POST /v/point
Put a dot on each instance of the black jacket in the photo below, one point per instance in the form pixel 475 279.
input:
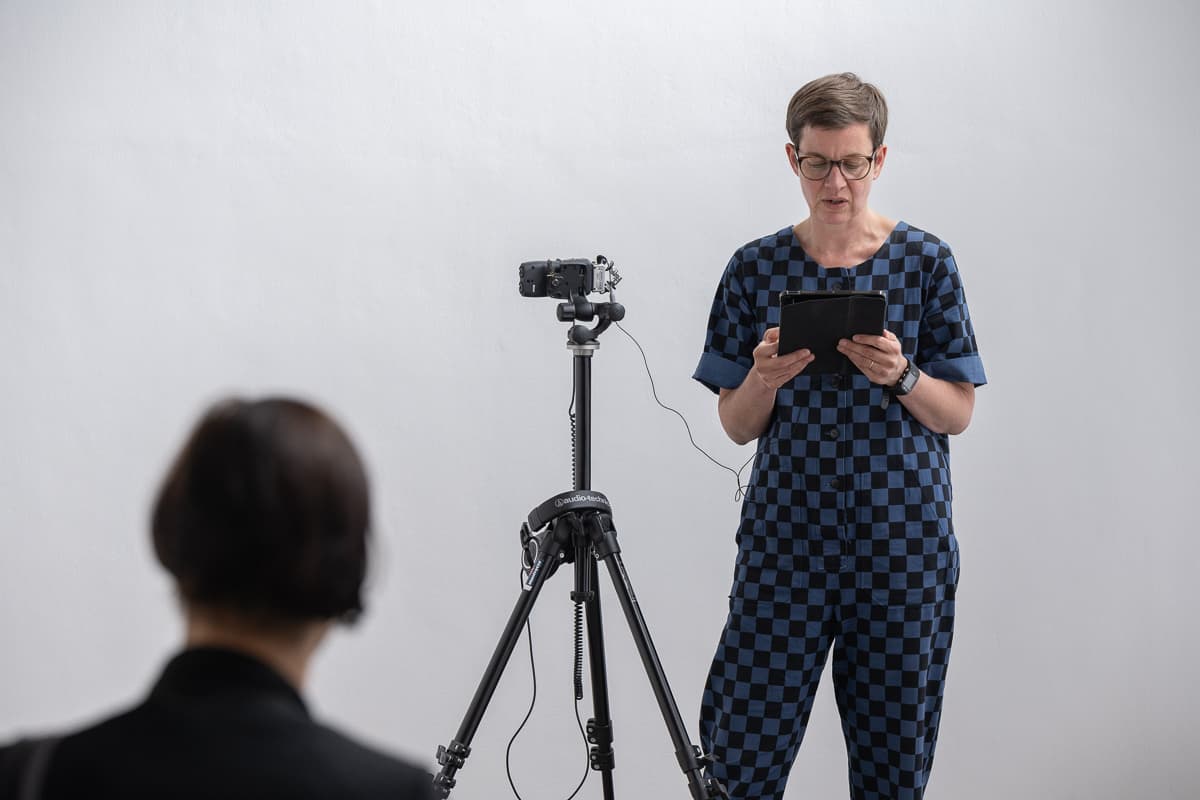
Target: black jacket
pixel 217 724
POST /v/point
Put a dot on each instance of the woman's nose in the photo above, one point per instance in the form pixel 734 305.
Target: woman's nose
pixel 835 177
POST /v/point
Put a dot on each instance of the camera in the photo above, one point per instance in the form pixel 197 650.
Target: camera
pixel 566 279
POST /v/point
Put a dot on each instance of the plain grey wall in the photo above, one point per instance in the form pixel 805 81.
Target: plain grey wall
pixel 331 199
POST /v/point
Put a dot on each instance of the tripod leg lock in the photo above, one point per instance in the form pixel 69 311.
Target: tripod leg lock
pixel 453 756
pixel 601 737
pixel 600 530
pixel 700 762
pixel 713 789
pixel 452 759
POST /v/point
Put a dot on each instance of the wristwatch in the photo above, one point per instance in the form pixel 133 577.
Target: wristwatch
pixel 908 379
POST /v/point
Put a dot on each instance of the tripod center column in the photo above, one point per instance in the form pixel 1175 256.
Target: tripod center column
pixel 581 433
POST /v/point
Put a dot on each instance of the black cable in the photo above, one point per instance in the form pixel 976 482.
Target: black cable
pixel 533 700
pixel 587 766
pixel 578 663
pixel 574 455
pixel 528 714
pixel 578 649
pixel 579 695
pixel 737 474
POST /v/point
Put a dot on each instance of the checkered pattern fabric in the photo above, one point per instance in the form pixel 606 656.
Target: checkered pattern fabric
pixel 846 541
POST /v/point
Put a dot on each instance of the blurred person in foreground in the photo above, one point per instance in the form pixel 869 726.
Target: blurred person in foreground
pixel 263 522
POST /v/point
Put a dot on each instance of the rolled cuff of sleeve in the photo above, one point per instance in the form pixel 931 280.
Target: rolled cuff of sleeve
pixel 718 373
pixel 964 369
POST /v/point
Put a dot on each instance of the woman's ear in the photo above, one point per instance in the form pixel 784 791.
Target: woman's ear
pixel 880 155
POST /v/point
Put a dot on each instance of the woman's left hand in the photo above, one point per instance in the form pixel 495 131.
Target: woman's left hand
pixel 879 357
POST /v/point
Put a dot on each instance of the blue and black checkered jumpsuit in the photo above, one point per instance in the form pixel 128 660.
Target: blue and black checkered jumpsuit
pixel 846 541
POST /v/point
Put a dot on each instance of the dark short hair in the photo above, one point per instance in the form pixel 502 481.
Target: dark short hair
pixel 835 102
pixel 266 513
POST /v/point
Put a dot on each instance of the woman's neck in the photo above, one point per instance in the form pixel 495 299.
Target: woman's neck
pixel 285 647
pixel 843 245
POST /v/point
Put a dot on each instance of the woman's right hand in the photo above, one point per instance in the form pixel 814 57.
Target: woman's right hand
pixel 773 369
pixel 745 411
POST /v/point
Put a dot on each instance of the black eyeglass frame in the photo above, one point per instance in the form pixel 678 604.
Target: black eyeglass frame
pixel 831 163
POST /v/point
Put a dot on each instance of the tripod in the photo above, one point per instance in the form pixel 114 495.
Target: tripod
pixel 577 527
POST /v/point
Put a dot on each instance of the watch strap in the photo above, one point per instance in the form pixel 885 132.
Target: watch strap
pixel 908 379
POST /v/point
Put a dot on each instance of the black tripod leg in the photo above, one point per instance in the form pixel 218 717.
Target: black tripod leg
pixel 600 729
pixel 453 756
pixel 690 761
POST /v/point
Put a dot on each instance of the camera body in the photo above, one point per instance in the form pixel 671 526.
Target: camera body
pixel 566 278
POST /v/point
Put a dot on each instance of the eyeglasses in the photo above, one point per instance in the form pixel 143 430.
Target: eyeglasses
pixel 853 168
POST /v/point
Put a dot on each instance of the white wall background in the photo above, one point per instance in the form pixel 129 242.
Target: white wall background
pixel 331 199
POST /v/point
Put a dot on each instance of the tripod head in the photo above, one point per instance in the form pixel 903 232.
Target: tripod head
pixel 572 280
pixel 581 309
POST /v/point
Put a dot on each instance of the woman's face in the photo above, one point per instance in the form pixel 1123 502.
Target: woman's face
pixel 835 199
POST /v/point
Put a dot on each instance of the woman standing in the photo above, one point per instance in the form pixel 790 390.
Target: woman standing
pixel 846 541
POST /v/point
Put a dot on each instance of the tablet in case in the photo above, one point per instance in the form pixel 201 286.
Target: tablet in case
pixel 818 320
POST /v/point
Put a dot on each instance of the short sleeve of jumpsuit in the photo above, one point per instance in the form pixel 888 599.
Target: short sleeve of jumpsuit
pixel 846 542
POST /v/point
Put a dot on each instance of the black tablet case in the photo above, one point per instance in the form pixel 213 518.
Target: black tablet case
pixel 818 320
